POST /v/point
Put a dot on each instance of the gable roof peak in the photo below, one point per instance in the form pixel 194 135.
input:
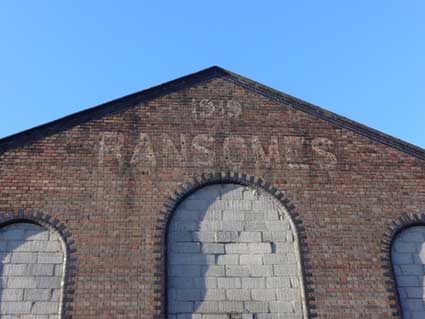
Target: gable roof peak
pixel 214 71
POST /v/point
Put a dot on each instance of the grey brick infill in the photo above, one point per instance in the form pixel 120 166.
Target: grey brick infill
pixel 229 252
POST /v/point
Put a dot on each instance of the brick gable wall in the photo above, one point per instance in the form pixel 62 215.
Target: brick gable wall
pixel 108 179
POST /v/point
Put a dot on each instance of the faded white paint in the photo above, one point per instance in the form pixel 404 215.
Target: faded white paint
pixel 203 150
pixel 170 150
pixel 110 145
pixel 143 153
pixel 206 108
pixel 263 158
pixel 235 151
pixel 324 147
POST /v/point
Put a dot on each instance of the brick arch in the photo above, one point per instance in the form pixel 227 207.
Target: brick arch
pixel 201 181
pixel 68 245
pixel 395 228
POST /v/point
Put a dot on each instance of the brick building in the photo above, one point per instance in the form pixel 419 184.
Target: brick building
pixel 210 197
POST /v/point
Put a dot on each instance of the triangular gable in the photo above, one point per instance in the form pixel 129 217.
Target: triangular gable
pixel 129 101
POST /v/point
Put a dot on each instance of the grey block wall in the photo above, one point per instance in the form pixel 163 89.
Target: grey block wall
pixel 232 254
pixel 31 268
pixel 408 258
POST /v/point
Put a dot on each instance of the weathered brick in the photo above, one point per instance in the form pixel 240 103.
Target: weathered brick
pixel 104 176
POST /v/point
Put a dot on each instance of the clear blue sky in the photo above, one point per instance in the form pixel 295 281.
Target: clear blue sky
pixel 361 59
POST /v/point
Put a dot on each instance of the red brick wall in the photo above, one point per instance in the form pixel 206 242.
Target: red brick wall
pixel 107 180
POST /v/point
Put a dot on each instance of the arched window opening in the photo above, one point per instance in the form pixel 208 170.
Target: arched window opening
pixel 408 261
pixel 232 252
pixel 32 271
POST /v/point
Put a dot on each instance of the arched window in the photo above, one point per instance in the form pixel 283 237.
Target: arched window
pixel 232 252
pixel 408 261
pixel 32 271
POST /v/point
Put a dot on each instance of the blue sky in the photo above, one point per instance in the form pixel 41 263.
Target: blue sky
pixel 361 59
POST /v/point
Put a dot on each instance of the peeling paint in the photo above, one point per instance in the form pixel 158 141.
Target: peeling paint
pixel 263 159
pixel 235 151
pixel 324 148
pixel 143 153
pixel 203 150
pixel 110 147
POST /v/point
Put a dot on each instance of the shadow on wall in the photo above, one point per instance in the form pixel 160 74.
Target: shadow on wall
pixel 232 254
pixel 31 272
pixel 408 259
